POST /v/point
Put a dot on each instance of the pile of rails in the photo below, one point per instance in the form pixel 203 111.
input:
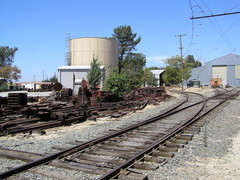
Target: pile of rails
pixel 39 117
pixel 153 94
pixel 17 99
pixel 18 116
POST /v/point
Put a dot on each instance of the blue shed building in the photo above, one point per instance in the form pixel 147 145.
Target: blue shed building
pixel 226 67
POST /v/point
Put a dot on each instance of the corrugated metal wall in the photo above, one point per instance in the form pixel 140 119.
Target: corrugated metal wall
pixel 66 76
pixel 229 73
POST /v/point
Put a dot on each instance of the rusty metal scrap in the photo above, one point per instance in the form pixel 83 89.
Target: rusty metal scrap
pixel 18 116
pixel 153 94
pixel 16 99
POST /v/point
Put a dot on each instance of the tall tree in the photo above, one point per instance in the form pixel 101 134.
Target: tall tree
pixel 10 73
pixel 172 75
pixel 54 78
pixel 134 62
pixel 190 62
pixel 126 43
pixel 94 74
pixel 7 71
pixel 133 65
pixel 148 78
pixel 173 72
pixel 7 55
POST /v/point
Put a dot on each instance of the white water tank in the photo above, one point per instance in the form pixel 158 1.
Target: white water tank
pixel 83 50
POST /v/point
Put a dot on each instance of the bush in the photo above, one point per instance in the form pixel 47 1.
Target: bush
pixel 117 83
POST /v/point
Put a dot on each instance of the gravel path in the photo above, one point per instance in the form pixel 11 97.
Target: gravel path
pixel 210 154
pixel 191 162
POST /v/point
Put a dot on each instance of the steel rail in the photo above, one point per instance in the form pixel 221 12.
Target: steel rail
pixel 115 172
pixel 85 145
pixel 69 151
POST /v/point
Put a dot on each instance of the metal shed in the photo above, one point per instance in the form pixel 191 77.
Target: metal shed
pixel 158 74
pixel 226 67
pixel 69 75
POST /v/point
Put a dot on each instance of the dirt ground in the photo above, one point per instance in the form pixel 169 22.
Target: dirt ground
pixel 228 167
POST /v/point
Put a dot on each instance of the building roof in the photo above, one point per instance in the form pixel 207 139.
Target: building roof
pixel 77 67
pixel 158 71
pixel 34 82
pixel 111 38
pixel 229 59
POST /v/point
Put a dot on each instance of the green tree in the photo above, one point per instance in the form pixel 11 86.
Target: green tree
pixel 133 66
pixel 7 71
pixel 172 75
pixel 148 78
pixel 156 68
pixel 134 62
pixel 117 83
pixel 7 55
pixel 3 86
pixel 174 61
pixel 10 73
pixel 190 62
pixel 173 72
pixel 126 43
pixel 53 79
pixel 94 74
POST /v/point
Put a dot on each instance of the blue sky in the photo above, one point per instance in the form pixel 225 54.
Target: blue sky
pixel 39 29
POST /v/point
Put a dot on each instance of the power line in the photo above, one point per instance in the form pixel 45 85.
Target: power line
pixel 217 26
pixel 191 42
pixel 214 15
pixel 234 7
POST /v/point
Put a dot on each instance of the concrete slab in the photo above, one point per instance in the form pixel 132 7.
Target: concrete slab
pixel 30 94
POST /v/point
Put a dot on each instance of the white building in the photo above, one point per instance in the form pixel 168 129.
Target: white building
pixel 70 76
pixel 33 84
pixel 82 52
pixel 158 74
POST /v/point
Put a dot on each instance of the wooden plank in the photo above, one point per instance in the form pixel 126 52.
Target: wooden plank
pixel 110 153
pixel 99 159
pixel 117 148
pixel 20 155
pixel 28 157
pixel 145 166
pixel 132 176
pixel 90 162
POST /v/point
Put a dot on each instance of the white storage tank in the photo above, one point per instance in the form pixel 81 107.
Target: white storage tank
pixel 83 50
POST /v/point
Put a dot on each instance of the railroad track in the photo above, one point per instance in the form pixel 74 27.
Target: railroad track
pixel 120 153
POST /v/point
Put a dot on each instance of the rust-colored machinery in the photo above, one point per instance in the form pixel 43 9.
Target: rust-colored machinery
pixel 216 82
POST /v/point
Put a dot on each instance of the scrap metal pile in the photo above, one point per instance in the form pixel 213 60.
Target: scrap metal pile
pixel 17 115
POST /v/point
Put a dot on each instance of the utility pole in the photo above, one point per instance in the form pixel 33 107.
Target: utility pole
pixel 181 48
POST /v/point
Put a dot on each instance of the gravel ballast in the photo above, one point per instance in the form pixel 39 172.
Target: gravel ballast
pixel 213 142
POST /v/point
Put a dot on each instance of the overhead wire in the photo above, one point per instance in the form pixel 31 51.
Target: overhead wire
pixel 216 26
pixel 222 33
pixel 233 7
pixel 192 34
